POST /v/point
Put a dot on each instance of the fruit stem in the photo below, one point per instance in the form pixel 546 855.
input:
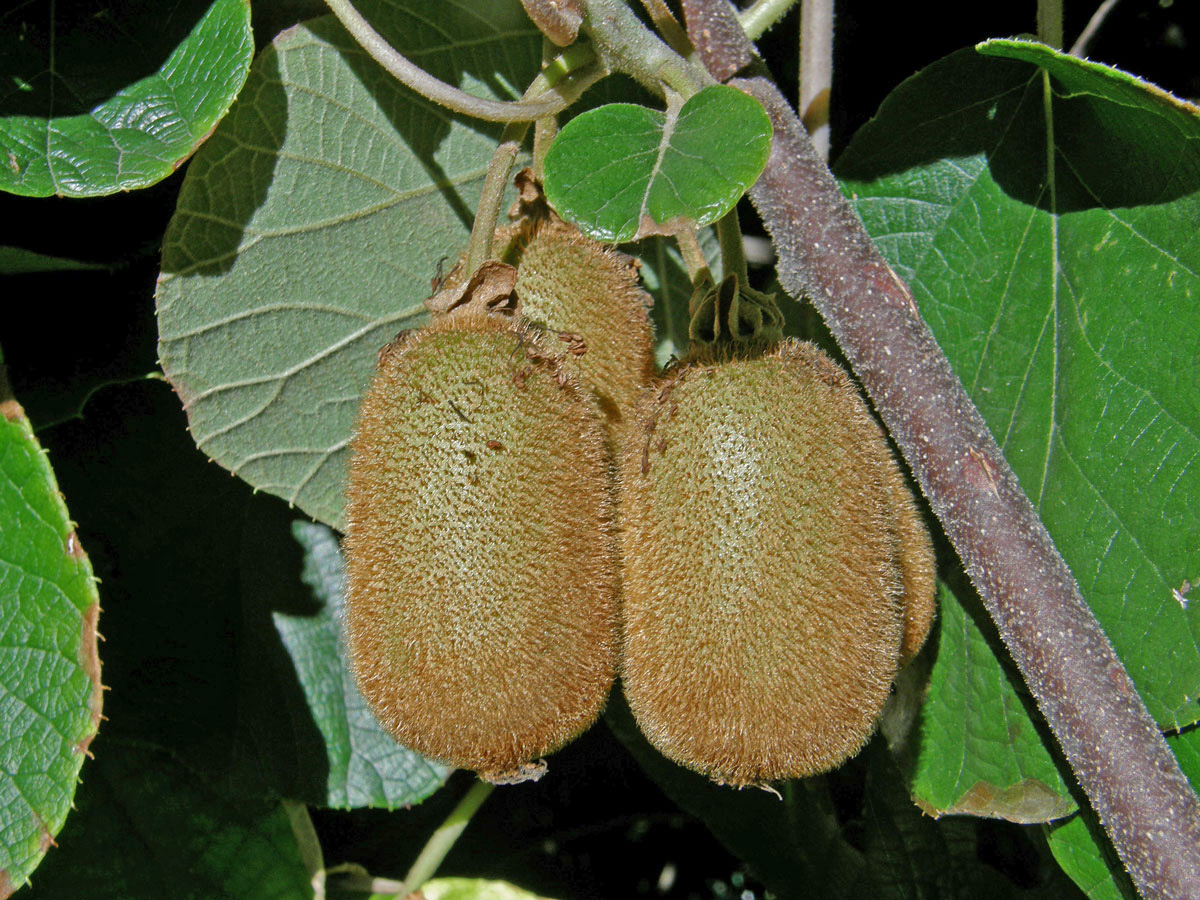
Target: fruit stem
pixel 733 253
pixel 443 838
pixel 691 251
pixel 760 17
pixel 487 214
pixel 578 62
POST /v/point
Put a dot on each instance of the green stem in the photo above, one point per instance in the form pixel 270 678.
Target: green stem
pixel 578 63
pixel 416 78
pixel 816 70
pixel 733 254
pixel 1050 23
pixel 443 839
pixel 308 843
pixel 669 28
pixel 759 18
pixel 488 212
pixel 626 45
pixel 691 251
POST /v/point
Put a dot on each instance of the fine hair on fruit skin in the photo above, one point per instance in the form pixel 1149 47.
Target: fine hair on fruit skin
pixel 764 556
pixel 578 287
pixel 589 294
pixel 481 613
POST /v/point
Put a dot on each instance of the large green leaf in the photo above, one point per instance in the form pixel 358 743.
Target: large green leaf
pixel 623 171
pixel 366 765
pixel 309 227
pixel 995 761
pixel 1060 296
pixel 49 669
pixel 150 827
pixel 111 100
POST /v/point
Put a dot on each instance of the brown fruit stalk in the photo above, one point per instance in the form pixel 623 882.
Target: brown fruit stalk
pixel 481 613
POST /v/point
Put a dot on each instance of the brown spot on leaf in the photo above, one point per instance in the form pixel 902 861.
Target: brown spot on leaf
pixel 74 548
pixel 89 661
pixel 1027 802
pixel 647 227
pixel 12 410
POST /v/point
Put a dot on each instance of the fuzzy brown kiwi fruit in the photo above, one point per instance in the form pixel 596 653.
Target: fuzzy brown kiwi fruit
pixel 763 606
pixel 590 295
pixel 481 614
pixel 915 563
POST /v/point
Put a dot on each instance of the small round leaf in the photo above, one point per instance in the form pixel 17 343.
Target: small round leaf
pixel 622 172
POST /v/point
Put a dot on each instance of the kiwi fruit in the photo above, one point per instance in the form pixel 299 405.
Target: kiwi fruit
pixel 914 561
pixel 481 614
pixel 769 549
pixel 588 295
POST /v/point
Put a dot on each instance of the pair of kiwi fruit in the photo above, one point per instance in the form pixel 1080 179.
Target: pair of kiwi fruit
pixel 531 510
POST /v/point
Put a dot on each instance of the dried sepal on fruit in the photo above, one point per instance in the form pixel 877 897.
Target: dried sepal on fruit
pixel 481 611
pixel 767 555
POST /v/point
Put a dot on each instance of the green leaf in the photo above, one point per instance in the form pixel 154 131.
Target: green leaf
pixel 1061 303
pixel 115 100
pixel 308 229
pixel 995 760
pixel 1083 851
pixel 19 261
pixel 150 827
pixel 622 171
pixel 50 696
pixel 366 765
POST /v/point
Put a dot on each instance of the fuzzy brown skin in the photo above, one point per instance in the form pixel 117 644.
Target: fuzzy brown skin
pixel 481 613
pixel 917 565
pixel 762 611
pixel 573 285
